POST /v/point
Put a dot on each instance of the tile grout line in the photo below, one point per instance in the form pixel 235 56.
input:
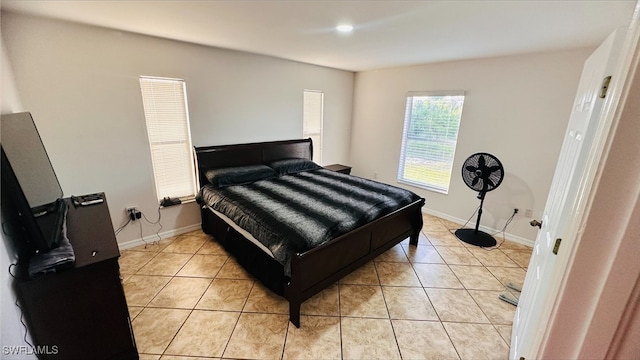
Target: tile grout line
pixel 472 298
pixel 160 290
pixel 386 305
pixel 340 321
pixel 476 301
pixel 340 314
pixel 455 348
pixel 172 277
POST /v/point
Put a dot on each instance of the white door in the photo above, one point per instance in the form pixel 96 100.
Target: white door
pixel 565 205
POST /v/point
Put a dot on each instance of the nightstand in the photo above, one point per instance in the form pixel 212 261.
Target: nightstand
pixel 339 168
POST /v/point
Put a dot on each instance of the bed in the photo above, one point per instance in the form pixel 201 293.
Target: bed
pixel 293 233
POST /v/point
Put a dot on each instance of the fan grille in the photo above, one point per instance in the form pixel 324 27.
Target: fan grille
pixel 482 172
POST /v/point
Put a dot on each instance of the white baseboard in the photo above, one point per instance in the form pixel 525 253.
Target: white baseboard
pixel 507 236
pixel 169 233
pixel 163 235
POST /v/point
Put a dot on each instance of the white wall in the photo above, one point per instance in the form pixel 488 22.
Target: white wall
pixel 516 107
pixel 81 85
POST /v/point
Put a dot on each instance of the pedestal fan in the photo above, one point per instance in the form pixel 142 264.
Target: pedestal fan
pixel 481 172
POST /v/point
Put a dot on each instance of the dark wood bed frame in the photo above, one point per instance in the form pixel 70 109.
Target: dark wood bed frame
pixel 315 269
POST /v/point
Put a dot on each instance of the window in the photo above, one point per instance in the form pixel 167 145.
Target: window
pixel 313 105
pixel 431 123
pixel 167 118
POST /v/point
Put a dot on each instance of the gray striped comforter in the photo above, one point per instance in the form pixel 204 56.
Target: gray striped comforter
pixel 295 213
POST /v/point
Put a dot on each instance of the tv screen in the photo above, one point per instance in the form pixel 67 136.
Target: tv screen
pixel 29 182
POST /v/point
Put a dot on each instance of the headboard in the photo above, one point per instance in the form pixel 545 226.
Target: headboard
pixel 218 156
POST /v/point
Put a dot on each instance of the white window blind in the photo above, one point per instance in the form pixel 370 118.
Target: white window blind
pixel 313 105
pixel 431 124
pixel 167 118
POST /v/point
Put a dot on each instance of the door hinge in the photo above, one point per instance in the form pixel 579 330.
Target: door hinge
pixel 605 87
pixel 557 246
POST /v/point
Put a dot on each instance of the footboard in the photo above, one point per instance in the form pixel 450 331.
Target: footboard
pixel 316 269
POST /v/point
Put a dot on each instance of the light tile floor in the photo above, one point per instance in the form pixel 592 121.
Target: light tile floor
pixel 188 299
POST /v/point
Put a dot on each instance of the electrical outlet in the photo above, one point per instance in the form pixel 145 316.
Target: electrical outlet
pixel 528 213
pixel 133 213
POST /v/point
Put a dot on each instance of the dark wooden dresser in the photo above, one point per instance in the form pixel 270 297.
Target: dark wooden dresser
pixel 81 312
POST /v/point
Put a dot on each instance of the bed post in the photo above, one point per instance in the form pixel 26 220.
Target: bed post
pixel 413 239
pixel 294 312
pixel 292 290
pixel 417 225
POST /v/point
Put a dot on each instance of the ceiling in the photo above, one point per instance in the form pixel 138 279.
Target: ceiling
pixel 386 33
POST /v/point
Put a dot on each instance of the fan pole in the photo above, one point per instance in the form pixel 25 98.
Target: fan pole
pixel 475 236
pixel 481 197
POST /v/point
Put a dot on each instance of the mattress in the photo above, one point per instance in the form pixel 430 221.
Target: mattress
pixel 296 212
pixel 242 231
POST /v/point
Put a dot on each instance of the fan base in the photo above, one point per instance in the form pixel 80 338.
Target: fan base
pixel 475 237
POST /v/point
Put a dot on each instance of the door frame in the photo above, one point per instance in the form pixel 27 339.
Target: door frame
pixel 595 287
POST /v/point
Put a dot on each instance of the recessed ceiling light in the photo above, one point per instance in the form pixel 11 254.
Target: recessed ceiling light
pixel 344 28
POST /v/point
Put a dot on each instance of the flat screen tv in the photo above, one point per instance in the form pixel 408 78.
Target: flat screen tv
pixel 30 187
